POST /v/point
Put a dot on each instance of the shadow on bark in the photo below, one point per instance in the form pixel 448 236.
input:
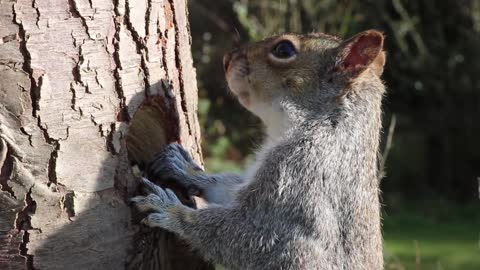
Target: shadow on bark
pixel 106 235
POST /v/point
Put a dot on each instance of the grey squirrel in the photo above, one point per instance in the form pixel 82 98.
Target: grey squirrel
pixel 311 199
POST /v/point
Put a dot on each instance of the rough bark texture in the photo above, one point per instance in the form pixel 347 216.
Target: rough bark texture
pixel 73 75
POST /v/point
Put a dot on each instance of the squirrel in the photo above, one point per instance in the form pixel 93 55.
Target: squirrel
pixel 311 199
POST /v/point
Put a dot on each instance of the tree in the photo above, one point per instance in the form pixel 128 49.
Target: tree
pixel 88 88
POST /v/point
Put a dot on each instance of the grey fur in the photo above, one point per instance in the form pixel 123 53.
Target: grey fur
pixel 311 199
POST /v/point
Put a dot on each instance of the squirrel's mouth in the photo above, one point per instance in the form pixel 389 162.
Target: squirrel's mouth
pixel 238 87
pixel 236 72
pixel 244 98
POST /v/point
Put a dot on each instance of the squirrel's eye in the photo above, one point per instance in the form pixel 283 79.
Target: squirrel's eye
pixel 284 49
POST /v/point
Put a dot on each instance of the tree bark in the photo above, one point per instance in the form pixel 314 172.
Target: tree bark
pixel 87 88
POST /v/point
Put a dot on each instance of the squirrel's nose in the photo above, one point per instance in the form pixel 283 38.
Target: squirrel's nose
pixel 227 58
pixel 233 55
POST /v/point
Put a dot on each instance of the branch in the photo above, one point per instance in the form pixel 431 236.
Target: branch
pixel 388 145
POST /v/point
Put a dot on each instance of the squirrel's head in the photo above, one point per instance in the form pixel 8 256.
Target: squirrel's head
pixel 305 70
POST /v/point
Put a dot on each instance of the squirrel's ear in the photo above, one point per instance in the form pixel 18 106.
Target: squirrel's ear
pixel 360 52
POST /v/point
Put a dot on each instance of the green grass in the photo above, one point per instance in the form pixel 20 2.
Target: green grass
pixel 438 242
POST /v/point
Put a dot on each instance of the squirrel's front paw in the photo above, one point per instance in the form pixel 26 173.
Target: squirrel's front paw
pixel 163 203
pixel 174 162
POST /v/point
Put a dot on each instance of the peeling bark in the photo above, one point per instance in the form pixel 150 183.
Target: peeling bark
pixel 6 168
pixel 86 89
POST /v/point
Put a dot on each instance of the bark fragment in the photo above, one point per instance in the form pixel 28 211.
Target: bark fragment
pixel 23 224
pixel 6 168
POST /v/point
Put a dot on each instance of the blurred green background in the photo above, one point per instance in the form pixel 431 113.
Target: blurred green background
pixel 430 191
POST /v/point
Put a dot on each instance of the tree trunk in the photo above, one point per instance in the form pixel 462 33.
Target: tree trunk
pixel 88 88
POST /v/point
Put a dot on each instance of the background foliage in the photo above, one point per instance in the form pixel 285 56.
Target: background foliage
pixel 433 79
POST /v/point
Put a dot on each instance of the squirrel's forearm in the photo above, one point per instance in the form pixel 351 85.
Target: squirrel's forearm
pixel 216 188
pixel 221 188
pixel 218 233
